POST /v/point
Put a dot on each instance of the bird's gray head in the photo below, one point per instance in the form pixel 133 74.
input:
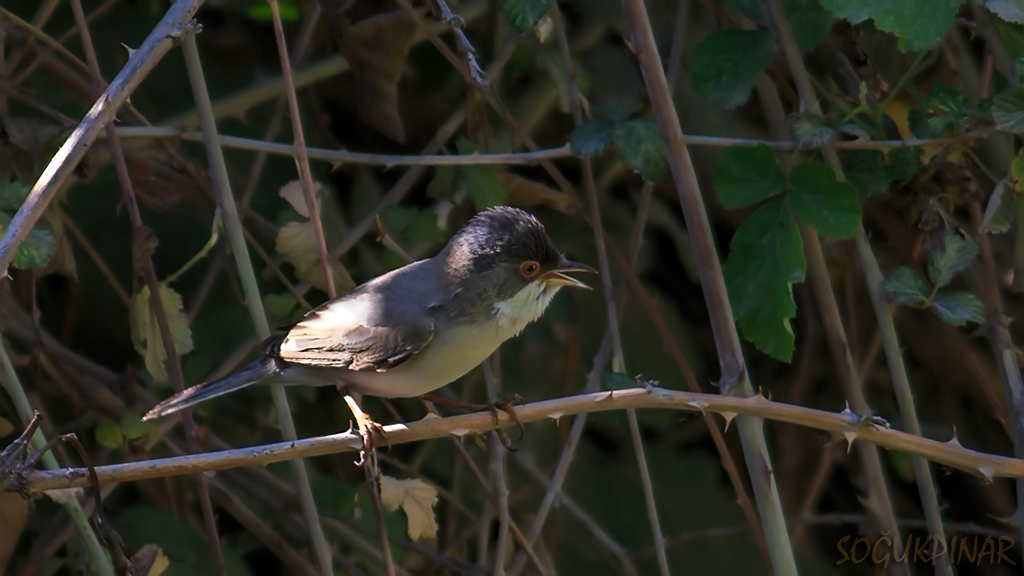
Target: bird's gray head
pixel 503 256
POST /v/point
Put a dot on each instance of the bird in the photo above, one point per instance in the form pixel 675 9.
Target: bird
pixel 417 328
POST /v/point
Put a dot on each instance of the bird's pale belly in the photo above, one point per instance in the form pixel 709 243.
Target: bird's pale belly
pixel 447 358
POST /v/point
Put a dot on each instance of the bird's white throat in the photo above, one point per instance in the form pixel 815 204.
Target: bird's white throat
pixel 526 306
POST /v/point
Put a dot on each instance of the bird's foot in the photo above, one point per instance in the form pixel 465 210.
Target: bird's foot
pixel 367 426
pixel 505 405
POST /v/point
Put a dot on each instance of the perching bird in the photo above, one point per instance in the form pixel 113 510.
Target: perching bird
pixel 417 328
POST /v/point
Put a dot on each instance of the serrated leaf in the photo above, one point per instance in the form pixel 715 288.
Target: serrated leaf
pixel 811 130
pixel 946 108
pixel 37 248
pixel 765 259
pixel 726 64
pixel 617 381
pixel 865 169
pixel 13 194
pixel 746 175
pixel 919 24
pixel 590 139
pixel 958 308
pixel 641 147
pixel 523 15
pixel 483 187
pixel 133 427
pixel 417 499
pixel 107 434
pixel 1009 10
pixel 1000 210
pixel 954 254
pixel 145 331
pixel 1008 110
pixel 298 244
pixel 904 286
pixel 822 201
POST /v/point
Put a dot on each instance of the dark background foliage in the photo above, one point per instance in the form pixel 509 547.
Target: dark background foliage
pixel 925 74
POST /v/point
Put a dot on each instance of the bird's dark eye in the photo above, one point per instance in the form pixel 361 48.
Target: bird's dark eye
pixel 529 268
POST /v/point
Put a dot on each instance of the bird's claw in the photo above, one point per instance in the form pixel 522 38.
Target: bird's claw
pixel 505 405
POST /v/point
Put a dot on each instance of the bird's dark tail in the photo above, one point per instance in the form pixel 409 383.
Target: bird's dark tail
pixel 259 369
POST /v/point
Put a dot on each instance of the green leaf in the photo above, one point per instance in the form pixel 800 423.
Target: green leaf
pixel 483 187
pixel 725 65
pixel 946 108
pixel 442 183
pixel 590 139
pixel 523 15
pixel 133 427
pixel 145 331
pixel 1009 10
pixel 765 259
pixel 811 23
pixel 865 169
pixel 1000 210
pixel 1008 110
pixel 108 435
pixel 904 286
pixel 1017 171
pixel 919 24
pixel 811 130
pixel 747 175
pixel 953 255
pixel 261 12
pixel 617 381
pixel 13 194
pixel 641 147
pixel 37 248
pixel 957 307
pixel 823 202
pixel 903 162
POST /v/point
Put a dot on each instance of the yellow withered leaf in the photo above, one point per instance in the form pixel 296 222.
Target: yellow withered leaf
pixel 297 243
pixel 417 500
pixel 146 331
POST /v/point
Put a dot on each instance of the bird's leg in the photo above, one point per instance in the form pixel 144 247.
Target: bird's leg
pixel 367 426
pixel 505 405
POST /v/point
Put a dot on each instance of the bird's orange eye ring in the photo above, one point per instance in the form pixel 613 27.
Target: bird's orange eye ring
pixel 529 268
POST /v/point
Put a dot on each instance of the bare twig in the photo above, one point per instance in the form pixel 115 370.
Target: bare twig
pixel 846 423
pixel 225 200
pixel 880 503
pixel 346 157
pixel 142 60
pixel 457 23
pixel 301 156
pixel 734 379
pixel 155 296
pixel 94 551
pixel 492 370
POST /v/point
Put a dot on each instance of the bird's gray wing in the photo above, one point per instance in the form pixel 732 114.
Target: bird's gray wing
pixel 339 335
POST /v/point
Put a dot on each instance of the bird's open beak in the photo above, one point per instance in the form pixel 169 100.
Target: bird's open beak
pixel 557 276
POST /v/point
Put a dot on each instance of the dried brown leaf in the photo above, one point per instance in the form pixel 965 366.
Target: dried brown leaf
pixel 296 196
pixel 13 514
pixel 376 49
pixel 150 560
pixel 526 193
